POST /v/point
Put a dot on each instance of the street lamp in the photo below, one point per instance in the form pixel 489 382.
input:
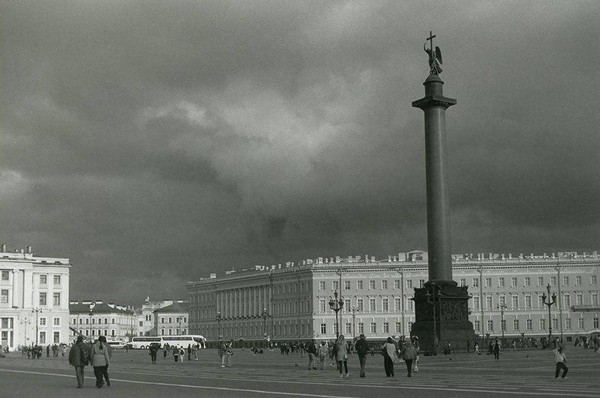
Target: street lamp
pixel 549 304
pixel 265 315
pixel 219 323
pixel 502 307
pixel 336 305
pixel 354 309
pixel 90 313
pixel 431 299
pixel 36 311
pixel 480 270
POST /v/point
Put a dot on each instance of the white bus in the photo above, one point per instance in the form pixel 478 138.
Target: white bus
pixel 143 342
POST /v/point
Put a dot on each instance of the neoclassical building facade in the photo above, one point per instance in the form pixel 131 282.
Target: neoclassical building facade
pixel 292 302
pixel 34 299
pixel 94 318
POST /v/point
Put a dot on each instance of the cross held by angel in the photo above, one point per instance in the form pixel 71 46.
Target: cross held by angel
pixel 435 56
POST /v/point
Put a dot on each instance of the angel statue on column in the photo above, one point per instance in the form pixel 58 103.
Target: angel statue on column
pixel 435 60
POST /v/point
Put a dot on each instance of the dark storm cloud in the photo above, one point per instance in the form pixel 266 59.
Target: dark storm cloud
pixel 156 142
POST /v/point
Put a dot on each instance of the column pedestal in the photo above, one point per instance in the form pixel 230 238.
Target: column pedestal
pixel 452 324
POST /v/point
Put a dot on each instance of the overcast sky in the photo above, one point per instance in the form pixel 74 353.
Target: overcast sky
pixel 153 143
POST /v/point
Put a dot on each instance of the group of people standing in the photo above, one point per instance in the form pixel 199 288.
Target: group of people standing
pixel 225 351
pixel 98 355
pixel 340 350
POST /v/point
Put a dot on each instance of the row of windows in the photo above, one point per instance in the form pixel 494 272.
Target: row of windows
pixel 169 332
pixel 170 320
pixel 99 332
pixel 488 282
pixel 4 293
pixel 292 330
pixel 55 338
pixel 87 321
pixel 385 305
pixel 541 281
pixel 44 279
pixel 514 301
pixel 516 324
pixel 55 321
pixel 372 284
pixel 5 275
pixel 55 299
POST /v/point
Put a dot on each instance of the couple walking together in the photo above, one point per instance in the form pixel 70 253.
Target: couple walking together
pixel 98 355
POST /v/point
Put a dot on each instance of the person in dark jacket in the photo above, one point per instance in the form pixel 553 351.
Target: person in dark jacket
pixel 362 349
pixel 78 359
pixel 312 352
pixel 409 354
pixel 496 349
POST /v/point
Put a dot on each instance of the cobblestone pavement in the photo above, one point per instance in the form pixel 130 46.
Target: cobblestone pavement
pixel 516 374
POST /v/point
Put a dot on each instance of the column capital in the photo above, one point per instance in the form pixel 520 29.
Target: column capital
pixel 433 101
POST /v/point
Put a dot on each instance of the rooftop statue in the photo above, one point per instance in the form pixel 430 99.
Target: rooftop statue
pixel 435 57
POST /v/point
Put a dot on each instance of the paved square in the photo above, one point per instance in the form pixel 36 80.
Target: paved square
pixel 516 374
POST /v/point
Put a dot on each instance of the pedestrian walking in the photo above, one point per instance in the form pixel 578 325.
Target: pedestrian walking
pixel 312 352
pixel 228 353
pixel 561 360
pixel 322 353
pixel 415 363
pixel 389 352
pixel 362 349
pixel 78 358
pixel 341 355
pixel 476 349
pixel 153 351
pixel 496 349
pixel 331 354
pixel 176 353
pixel 100 360
pixel 409 354
pixel 222 352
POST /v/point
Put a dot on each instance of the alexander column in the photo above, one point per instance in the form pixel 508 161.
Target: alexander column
pixel 441 307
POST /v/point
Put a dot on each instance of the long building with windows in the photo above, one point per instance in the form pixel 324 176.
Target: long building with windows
pixel 96 318
pixel 293 302
pixel 34 299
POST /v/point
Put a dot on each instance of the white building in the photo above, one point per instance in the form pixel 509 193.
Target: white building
pixel 34 299
pixel 146 319
pixel 292 302
pixel 95 318
pixel 172 319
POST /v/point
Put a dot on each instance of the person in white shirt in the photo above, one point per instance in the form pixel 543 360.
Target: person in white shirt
pixel 561 359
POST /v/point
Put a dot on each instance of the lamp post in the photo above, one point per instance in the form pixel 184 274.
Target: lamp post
pixel 341 302
pixel 37 311
pixel 502 307
pixel 401 272
pixel 560 301
pixel 265 315
pixel 480 270
pixel 549 304
pixel 219 323
pixel 90 313
pixel 431 299
pixel 336 305
pixel 354 309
